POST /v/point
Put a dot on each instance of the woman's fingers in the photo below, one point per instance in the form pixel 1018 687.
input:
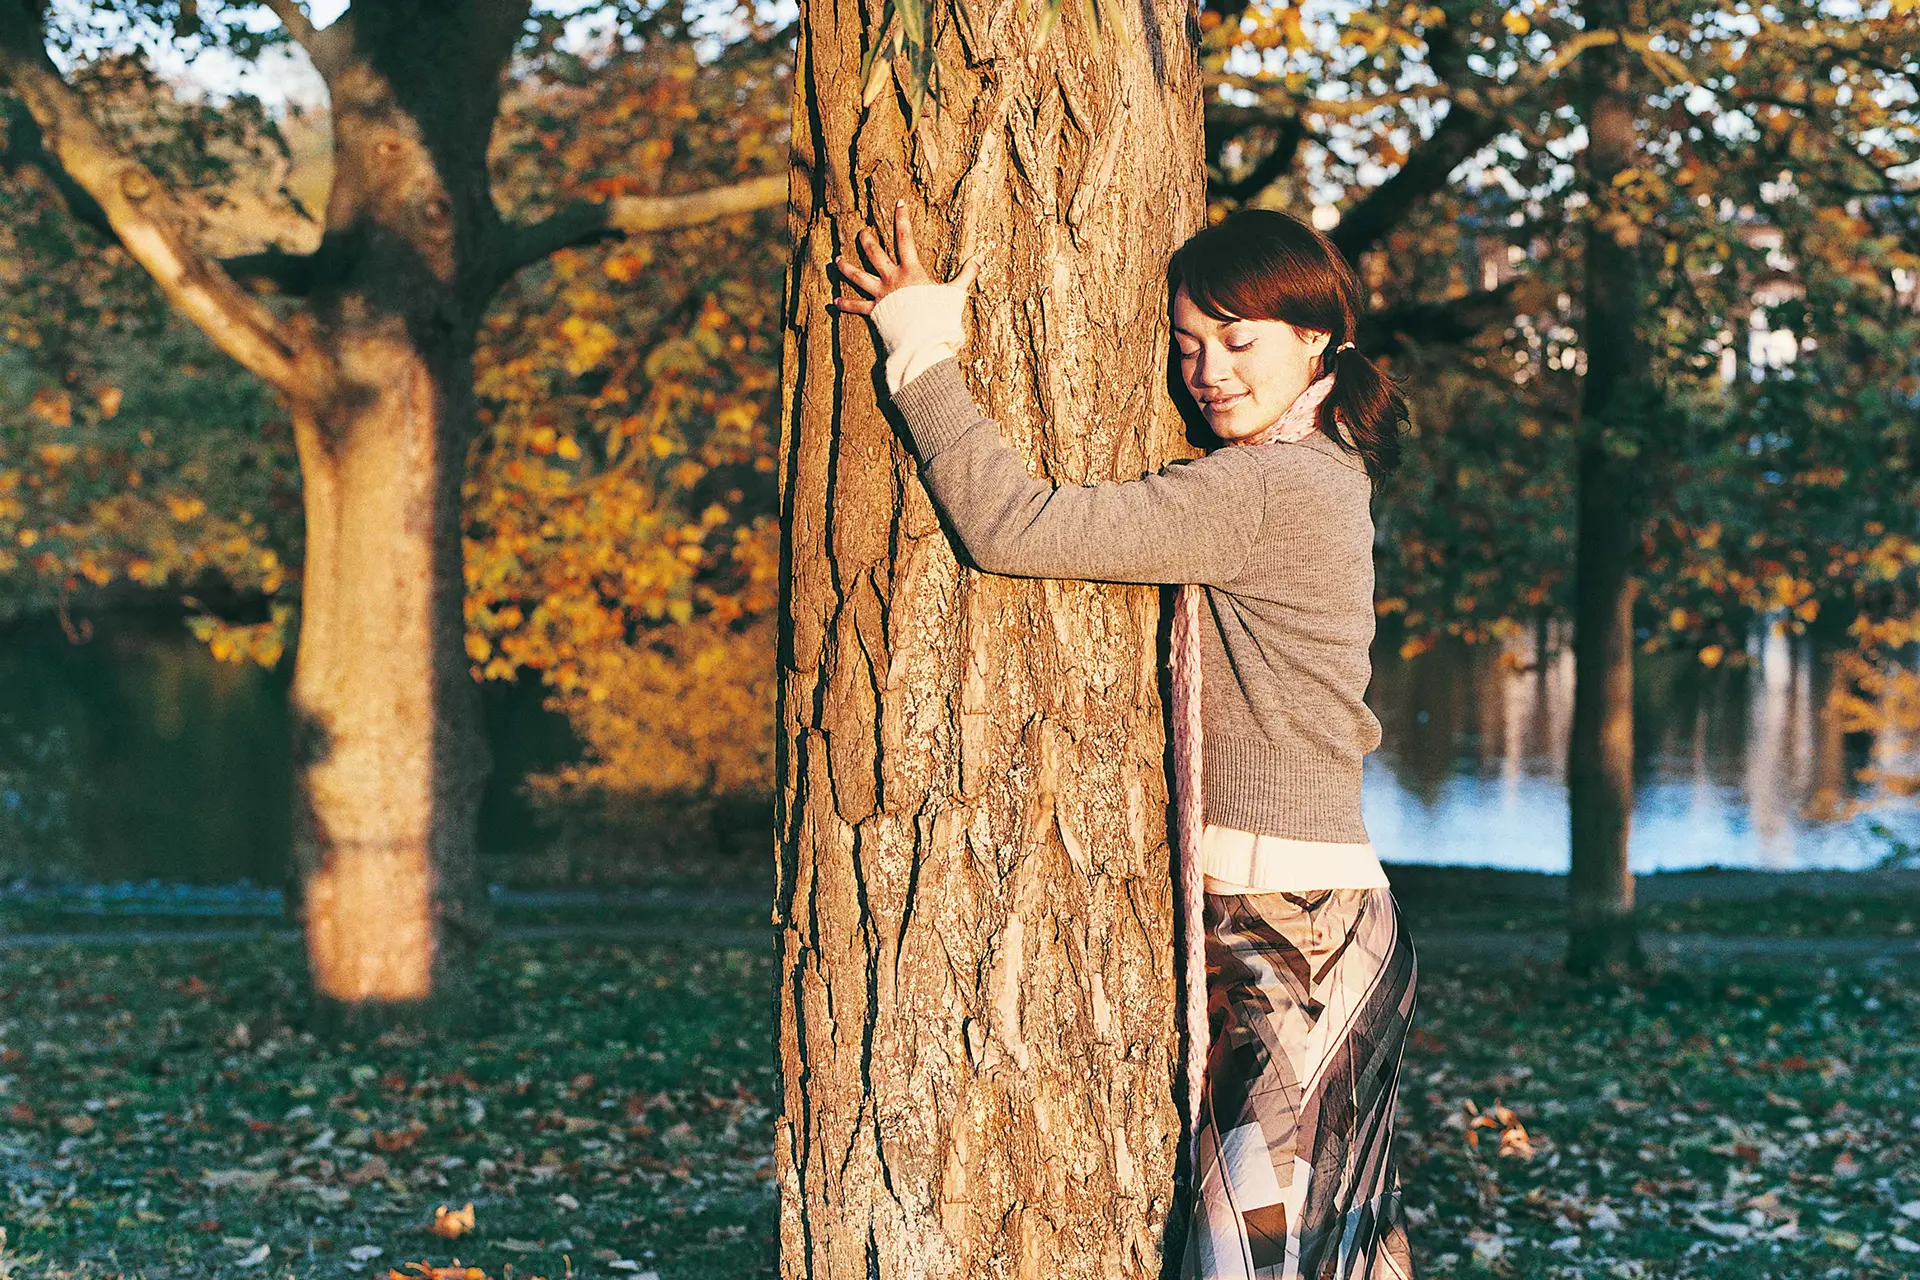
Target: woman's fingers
pixel 889 274
pixel 876 253
pixel 969 271
pixel 865 281
pixel 903 245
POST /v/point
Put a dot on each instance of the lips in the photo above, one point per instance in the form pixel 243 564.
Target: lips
pixel 1215 404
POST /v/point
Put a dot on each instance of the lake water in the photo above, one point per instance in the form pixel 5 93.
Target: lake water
pixel 135 756
pixel 1734 767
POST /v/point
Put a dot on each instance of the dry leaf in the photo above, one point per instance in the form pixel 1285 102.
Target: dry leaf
pixel 451 1224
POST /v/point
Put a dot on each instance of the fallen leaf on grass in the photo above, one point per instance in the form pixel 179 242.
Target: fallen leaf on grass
pixel 427 1271
pixel 365 1252
pixel 374 1167
pixel 451 1224
pixel 1513 1134
pixel 256 1257
pixel 237 1179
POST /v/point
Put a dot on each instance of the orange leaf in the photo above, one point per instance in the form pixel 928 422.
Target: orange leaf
pixel 451 1224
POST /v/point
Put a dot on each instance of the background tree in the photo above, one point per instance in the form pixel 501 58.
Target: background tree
pixel 977 1012
pixel 375 367
pixel 1492 295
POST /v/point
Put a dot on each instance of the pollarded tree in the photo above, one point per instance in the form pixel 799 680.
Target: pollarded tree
pixel 977 997
pixel 370 345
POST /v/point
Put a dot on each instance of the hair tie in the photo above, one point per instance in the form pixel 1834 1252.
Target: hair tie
pixel 1345 346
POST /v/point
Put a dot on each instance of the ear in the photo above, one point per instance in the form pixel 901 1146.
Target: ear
pixel 1315 340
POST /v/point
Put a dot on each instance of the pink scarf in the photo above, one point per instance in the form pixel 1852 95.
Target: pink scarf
pixel 1299 421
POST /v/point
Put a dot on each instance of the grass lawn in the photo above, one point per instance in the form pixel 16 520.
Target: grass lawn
pixel 165 1117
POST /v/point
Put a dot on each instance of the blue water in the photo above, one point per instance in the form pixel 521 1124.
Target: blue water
pixel 1735 767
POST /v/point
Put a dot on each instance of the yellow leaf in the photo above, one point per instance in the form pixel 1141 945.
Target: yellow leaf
pixel 1516 22
pixel 1711 655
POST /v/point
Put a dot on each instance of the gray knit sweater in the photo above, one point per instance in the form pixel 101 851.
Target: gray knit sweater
pixel 1279 535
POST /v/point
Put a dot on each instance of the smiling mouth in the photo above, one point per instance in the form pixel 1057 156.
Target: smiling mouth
pixel 1216 403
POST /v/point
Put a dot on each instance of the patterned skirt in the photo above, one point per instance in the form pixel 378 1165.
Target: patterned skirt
pixel 1310 996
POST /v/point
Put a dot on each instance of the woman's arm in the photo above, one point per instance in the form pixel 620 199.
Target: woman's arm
pixel 1191 522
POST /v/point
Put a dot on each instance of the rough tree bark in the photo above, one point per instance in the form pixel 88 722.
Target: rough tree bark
pixel 1600 753
pixel 978 1018
pixel 376 371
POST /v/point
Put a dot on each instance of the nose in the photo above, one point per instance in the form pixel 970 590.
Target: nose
pixel 1207 367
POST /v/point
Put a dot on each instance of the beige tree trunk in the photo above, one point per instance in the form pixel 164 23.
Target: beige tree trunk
pixel 978 1009
pixel 388 755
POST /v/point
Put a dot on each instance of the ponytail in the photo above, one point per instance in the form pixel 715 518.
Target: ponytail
pixel 1370 408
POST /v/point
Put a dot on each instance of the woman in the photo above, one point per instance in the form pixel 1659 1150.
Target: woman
pixel 1309 979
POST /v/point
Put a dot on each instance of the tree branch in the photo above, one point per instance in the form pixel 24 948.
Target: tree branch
pixel 587 221
pixel 1457 320
pixel 1290 134
pixel 141 212
pixel 1367 223
pixel 294 19
pixel 325 49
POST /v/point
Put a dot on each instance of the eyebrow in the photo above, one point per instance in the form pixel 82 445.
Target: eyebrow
pixel 1224 324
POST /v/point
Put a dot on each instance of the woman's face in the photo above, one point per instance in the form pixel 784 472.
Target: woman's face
pixel 1242 373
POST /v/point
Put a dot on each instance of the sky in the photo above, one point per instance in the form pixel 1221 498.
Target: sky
pixel 280 78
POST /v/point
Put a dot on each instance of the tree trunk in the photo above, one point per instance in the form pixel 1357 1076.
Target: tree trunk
pixel 389 759
pixel 978 1012
pixel 1600 754
pixel 388 755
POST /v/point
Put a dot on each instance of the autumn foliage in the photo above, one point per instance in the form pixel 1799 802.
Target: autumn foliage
pixel 621 543
pixel 621 537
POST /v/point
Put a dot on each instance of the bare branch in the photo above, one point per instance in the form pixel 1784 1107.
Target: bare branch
pixel 587 221
pixel 1383 208
pixel 294 18
pixel 637 215
pixel 141 212
pixel 1289 134
pixel 1422 324
pixel 326 49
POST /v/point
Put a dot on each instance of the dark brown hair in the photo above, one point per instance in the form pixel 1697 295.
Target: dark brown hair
pixel 1260 264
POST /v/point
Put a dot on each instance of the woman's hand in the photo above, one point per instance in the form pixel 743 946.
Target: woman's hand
pixel 898 271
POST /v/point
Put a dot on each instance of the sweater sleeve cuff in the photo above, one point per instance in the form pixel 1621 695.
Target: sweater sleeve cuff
pixel 938 408
pixel 920 325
